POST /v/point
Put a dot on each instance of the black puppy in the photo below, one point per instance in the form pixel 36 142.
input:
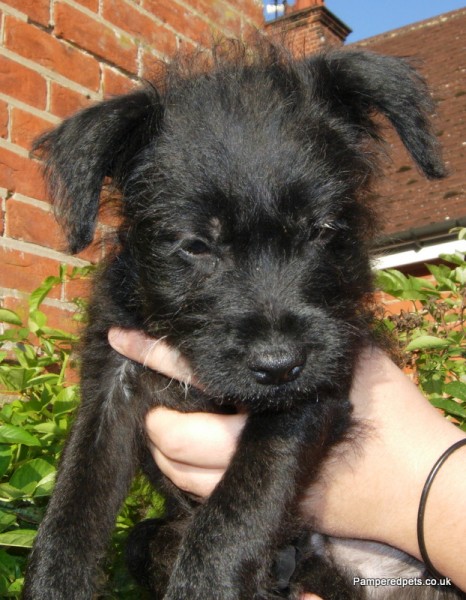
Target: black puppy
pixel 244 242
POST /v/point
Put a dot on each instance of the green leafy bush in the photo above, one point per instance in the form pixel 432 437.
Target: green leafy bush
pixel 432 332
pixel 36 413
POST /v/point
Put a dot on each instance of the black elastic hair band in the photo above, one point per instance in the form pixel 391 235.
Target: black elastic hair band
pixel 422 506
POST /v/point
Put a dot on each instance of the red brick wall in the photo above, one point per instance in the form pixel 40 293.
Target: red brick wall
pixel 57 56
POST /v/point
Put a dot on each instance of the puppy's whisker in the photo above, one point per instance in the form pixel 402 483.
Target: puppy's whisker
pixel 150 348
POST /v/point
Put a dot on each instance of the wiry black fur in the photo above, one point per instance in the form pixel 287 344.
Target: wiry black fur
pixel 244 243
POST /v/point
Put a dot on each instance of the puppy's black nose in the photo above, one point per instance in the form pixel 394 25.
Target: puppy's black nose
pixel 277 366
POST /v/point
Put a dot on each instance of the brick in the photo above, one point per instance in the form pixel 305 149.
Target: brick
pixel 220 15
pixel 19 305
pixel 115 83
pixel 248 30
pixel 65 102
pixel 21 174
pixel 393 306
pixel 2 217
pixel 36 44
pixel 25 127
pixel 77 288
pixel 25 271
pixel 180 19
pixel 90 4
pixel 4 116
pixel 95 37
pixel 110 208
pixel 61 319
pixel 72 372
pixel 30 223
pixel 36 10
pixel 22 83
pixel 250 9
pixel 129 17
pixel 95 251
pixel 150 66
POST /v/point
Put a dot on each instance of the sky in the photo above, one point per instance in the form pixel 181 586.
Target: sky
pixel 371 17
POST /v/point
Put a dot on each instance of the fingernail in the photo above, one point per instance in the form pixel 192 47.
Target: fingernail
pixel 114 337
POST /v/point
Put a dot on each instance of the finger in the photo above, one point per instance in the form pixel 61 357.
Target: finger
pixel 204 440
pixel 195 480
pixel 151 352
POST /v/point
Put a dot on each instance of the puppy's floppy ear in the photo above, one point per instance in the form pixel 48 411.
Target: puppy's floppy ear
pixel 361 83
pixel 97 142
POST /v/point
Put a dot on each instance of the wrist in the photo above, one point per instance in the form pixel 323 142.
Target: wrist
pixel 439 517
pixel 400 500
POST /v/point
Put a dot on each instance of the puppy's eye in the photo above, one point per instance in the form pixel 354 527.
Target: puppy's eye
pixel 195 247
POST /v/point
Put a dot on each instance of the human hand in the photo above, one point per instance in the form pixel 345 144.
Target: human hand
pixel 399 436
pixel 196 468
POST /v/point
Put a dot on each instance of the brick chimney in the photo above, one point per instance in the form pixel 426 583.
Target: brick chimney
pixel 309 26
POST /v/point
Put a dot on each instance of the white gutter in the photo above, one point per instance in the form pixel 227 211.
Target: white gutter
pixel 424 254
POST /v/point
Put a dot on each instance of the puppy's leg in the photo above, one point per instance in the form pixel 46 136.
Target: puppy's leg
pixel 317 576
pixel 151 551
pixel 94 476
pixel 229 549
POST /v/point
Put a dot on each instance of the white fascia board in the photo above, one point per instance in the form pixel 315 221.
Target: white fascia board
pixel 425 254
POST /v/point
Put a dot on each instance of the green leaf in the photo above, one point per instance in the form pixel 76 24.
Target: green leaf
pixel 460 275
pixel 5 459
pixel 37 320
pixel 41 379
pixel 6 519
pixel 8 492
pixel 59 334
pixel 30 474
pixel 29 513
pixel 396 284
pixel 390 281
pixel 4 583
pixel 16 587
pixel 14 335
pixel 23 359
pixel 443 276
pixel 46 427
pixel 45 485
pixel 10 434
pixel 66 401
pixel 20 538
pixel 427 342
pixel 10 317
pixel 450 406
pixel 9 566
pixel 38 295
pixel 456 389
pixel 457 258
